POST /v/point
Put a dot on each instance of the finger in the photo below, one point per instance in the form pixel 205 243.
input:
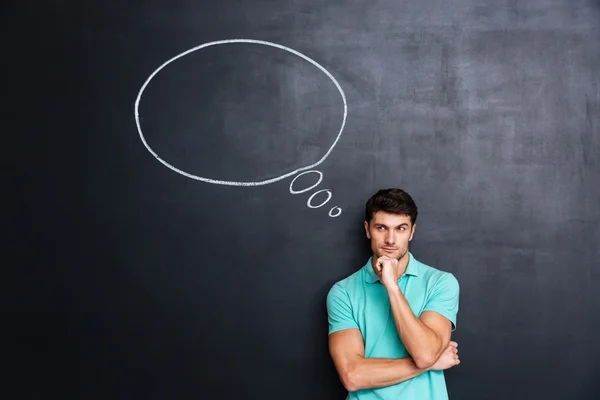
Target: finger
pixel 453 344
pixel 381 260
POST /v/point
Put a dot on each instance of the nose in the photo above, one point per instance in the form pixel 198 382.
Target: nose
pixel 390 237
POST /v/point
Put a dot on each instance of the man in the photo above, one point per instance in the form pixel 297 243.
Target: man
pixel 390 322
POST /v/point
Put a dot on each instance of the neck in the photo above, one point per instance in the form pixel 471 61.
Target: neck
pixel 403 262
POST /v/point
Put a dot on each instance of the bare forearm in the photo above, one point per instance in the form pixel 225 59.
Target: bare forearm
pixel 422 343
pixel 379 372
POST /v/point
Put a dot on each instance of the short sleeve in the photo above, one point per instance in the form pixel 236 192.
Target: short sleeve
pixel 339 310
pixel 444 298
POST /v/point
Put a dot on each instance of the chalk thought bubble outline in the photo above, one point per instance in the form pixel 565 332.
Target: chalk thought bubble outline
pixel 233 183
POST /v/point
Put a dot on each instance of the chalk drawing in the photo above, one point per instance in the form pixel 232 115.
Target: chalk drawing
pixel 233 183
pixel 267 181
pixel 309 202
pixel 292 191
pixel 337 214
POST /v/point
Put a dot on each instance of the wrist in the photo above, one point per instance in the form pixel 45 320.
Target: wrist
pixel 391 286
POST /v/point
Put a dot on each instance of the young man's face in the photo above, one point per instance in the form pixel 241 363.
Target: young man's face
pixel 389 234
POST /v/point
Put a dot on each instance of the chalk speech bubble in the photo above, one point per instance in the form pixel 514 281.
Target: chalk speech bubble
pixel 237 183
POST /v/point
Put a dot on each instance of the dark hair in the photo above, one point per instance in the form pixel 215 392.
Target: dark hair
pixel 393 201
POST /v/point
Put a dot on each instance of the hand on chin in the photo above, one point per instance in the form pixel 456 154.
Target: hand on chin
pixel 387 269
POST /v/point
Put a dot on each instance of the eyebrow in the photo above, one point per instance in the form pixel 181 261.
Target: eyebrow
pixel 397 226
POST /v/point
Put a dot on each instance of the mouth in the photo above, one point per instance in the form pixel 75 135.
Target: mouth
pixel 389 249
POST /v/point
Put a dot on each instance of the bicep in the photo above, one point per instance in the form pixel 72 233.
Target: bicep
pixel 440 311
pixel 346 346
pixel 346 343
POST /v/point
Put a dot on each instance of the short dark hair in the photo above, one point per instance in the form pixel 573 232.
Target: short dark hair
pixel 393 201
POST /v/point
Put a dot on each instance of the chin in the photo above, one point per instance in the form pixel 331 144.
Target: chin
pixel 396 255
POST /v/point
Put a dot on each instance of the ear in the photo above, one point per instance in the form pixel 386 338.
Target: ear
pixel 367 230
pixel 413 232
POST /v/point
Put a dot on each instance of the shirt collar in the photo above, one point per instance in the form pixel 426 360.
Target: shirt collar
pixel 411 269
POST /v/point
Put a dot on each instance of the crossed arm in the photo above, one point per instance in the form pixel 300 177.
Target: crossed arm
pixel 425 338
pixel 357 372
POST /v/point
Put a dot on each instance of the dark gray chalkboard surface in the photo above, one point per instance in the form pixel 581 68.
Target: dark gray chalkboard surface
pixel 204 276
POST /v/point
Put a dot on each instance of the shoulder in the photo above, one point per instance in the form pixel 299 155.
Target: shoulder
pixel 347 288
pixel 347 284
pixel 442 292
pixel 434 277
pixel 341 301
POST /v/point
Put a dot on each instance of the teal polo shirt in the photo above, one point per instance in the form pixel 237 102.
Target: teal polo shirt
pixel 361 301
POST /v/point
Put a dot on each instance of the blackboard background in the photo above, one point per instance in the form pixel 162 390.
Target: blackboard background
pixel 124 279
